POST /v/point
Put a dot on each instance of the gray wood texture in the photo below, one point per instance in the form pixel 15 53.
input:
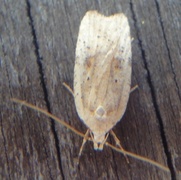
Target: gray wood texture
pixel 37 54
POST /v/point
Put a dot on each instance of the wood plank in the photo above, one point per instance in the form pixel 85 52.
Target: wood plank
pixel 158 39
pixel 27 143
pixel 37 53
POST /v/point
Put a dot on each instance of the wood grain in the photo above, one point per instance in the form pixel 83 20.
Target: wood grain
pixel 37 53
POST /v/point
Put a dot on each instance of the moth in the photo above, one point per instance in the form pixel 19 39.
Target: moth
pixel 102 73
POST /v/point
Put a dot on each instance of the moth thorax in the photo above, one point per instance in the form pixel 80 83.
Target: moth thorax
pixel 100 112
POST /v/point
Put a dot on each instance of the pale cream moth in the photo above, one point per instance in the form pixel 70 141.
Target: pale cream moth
pixel 102 73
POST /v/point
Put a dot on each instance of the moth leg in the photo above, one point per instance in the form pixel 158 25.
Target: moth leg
pixel 133 88
pixel 84 141
pixel 119 144
pixel 68 88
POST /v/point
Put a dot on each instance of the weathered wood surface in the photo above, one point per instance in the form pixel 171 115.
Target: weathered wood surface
pixel 37 50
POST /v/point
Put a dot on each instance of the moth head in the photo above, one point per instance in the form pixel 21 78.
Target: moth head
pixel 99 140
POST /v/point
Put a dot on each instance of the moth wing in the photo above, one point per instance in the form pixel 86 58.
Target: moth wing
pixel 102 72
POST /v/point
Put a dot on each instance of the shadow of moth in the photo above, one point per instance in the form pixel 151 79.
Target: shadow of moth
pixel 102 73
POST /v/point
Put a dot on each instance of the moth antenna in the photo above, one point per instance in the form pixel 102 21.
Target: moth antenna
pixel 24 103
pixel 141 158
